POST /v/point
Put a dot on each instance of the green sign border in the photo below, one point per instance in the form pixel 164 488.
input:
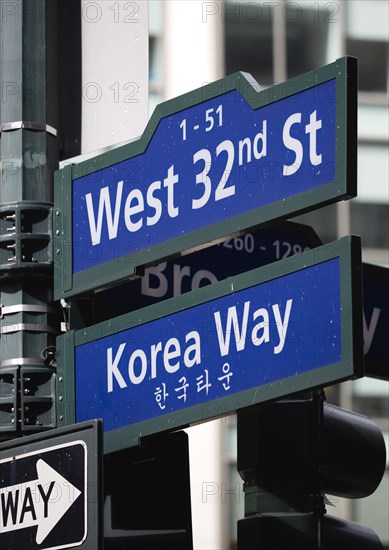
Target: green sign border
pixel 344 70
pixel 348 249
pixel 91 433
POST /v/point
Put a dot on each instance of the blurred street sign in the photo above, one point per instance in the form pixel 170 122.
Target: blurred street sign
pixel 376 320
pixel 209 265
pixel 289 326
pixel 212 163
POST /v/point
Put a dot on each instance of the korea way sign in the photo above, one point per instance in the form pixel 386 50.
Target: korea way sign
pixel 276 330
pixel 212 163
pixel 50 490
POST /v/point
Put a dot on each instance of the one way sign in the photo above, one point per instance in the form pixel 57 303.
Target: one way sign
pixel 43 501
pixel 49 490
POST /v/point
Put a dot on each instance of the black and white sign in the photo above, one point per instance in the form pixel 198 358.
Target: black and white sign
pixel 44 495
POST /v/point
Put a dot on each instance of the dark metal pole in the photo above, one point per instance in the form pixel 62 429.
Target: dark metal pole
pixel 29 320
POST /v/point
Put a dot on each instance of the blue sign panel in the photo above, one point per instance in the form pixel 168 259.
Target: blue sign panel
pixel 277 330
pixel 251 338
pixel 211 164
pixel 215 160
pixel 248 339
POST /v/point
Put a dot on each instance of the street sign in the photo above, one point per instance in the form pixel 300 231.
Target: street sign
pixel 292 325
pixel 50 489
pixel 212 163
pixel 209 265
pixel 376 320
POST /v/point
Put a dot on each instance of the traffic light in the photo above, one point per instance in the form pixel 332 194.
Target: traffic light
pixel 290 454
pixel 353 463
pixel 147 495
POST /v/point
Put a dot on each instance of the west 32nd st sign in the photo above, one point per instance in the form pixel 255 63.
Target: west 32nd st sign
pixel 212 163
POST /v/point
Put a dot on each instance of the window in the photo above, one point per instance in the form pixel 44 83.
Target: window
pixel 249 40
pixel 373 63
pixel 367 35
pixel 371 221
pixel 308 30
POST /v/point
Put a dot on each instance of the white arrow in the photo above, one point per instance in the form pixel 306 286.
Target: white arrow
pixel 42 502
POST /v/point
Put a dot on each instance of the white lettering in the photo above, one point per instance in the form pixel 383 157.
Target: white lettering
pixel 202 275
pixel 155 349
pixel 178 274
pixel 282 325
pixel 369 330
pixel 156 272
pixel 166 355
pixel 104 206
pixel 112 368
pixel 231 332
pixel 261 136
pixel 222 190
pixel 154 202
pixel 137 354
pixel 169 182
pixel 263 325
pixel 232 324
pixel 172 351
pixel 134 205
pixel 194 349
pixel 293 144
pixel 311 129
pixel 247 144
pixel 155 283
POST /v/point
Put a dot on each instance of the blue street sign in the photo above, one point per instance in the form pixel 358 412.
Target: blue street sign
pixel 376 320
pixel 214 160
pixel 212 163
pixel 273 331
